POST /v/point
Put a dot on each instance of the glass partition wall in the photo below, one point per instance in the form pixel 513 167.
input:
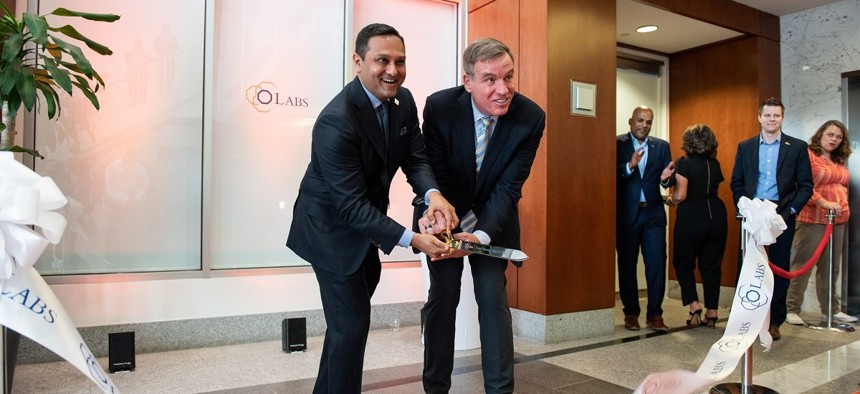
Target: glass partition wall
pixel 194 160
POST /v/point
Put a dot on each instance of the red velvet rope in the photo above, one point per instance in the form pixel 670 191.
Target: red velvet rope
pixel 812 260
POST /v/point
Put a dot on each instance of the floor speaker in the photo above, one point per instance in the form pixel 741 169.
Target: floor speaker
pixel 121 351
pixel 294 335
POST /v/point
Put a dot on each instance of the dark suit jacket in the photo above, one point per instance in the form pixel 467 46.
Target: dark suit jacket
pixel 793 173
pixel 629 186
pixel 343 197
pixel 449 131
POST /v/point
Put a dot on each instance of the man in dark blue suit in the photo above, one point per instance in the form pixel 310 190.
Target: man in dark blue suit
pixel 644 164
pixel 482 138
pixel 360 139
pixel 774 166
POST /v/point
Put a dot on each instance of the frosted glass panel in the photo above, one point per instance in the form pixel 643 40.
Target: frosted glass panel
pixel 277 64
pixel 132 171
pixel 429 29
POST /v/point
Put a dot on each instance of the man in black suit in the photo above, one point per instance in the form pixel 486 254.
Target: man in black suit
pixel 644 164
pixel 482 138
pixel 774 166
pixel 360 139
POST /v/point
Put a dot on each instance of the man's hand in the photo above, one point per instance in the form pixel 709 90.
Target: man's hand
pixel 668 172
pixel 454 253
pixel 440 226
pixel 637 157
pixel 430 245
pixel 439 204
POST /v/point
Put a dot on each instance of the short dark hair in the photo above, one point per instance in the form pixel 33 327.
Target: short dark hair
pixel 771 102
pixel 370 31
pixel 700 141
pixel 841 153
pixel 483 49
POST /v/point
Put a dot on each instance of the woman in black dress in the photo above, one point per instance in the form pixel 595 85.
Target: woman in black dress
pixel 700 226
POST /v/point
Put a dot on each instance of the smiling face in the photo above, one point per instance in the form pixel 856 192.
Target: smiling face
pixel 770 119
pixel 831 138
pixel 383 68
pixel 492 85
pixel 640 123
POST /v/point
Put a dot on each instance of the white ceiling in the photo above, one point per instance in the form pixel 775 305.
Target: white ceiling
pixel 784 7
pixel 677 33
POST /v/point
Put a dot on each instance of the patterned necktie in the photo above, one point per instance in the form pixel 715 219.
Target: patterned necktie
pixel 482 134
pixel 481 140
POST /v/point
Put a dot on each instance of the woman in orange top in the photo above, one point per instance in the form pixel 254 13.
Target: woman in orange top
pixel 829 149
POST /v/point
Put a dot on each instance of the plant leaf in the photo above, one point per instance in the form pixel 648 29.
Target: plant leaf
pixel 89 93
pixel 37 26
pixel 77 55
pixel 60 76
pixel 14 103
pixel 93 17
pixel 51 98
pixel 12 47
pixel 9 77
pixel 16 148
pixel 26 87
pixel 71 32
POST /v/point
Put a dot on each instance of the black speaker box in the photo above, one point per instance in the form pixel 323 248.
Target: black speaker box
pixel 294 335
pixel 121 351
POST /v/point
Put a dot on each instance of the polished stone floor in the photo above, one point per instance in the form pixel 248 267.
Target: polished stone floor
pixel 804 361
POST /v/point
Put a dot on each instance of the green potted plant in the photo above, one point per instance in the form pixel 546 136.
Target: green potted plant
pixel 35 59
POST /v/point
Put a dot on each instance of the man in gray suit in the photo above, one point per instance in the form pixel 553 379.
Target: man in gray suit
pixel 368 131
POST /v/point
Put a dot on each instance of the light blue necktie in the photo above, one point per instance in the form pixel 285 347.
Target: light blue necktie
pixel 482 137
pixel 481 140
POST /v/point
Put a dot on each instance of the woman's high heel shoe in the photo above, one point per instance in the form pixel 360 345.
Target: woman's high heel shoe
pixel 695 319
pixel 710 322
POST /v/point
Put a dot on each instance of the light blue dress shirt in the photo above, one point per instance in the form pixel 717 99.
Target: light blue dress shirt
pixel 768 153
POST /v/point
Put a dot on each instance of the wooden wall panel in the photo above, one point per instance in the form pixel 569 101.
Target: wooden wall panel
pixel 581 157
pixel 719 87
pixel 531 72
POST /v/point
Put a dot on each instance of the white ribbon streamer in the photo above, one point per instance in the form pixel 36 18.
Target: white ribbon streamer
pixel 27 304
pixel 750 313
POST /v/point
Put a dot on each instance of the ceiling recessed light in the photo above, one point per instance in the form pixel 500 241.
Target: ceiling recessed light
pixel 646 29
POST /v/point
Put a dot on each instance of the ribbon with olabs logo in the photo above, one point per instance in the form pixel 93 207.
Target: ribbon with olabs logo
pixel 27 303
pixel 750 313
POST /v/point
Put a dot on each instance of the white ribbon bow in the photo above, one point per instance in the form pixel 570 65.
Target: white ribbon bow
pixel 26 199
pixel 762 222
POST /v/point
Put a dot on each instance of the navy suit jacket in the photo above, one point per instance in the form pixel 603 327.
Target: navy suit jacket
pixel 449 131
pixel 629 186
pixel 343 197
pixel 793 173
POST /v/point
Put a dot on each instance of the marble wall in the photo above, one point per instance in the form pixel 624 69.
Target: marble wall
pixel 818 45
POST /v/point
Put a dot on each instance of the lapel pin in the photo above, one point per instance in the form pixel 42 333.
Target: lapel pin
pixel 402 131
pixel 396 101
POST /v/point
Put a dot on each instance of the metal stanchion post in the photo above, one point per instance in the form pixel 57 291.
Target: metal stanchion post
pixel 828 325
pixel 3 363
pixel 745 386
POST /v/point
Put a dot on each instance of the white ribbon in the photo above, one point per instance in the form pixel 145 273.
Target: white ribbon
pixel 27 304
pixel 750 313
pixel 26 199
